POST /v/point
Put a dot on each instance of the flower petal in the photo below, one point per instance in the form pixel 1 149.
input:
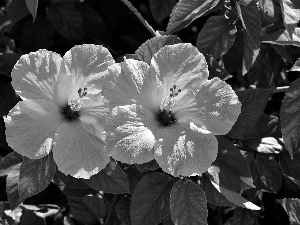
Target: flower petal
pixel 77 152
pixel 181 65
pixel 30 127
pixel 185 152
pixel 130 134
pixel 92 116
pixel 34 75
pixel 129 83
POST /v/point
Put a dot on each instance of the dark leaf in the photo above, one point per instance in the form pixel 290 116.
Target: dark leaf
pixel 151 199
pixel 253 102
pixel 72 182
pixel 32 6
pixel 7 62
pixel 291 14
pixel 152 165
pixel 187 11
pixel 270 11
pixel 67 20
pixel 168 220
pixel 215 70
pixel 149 48
pixel 96 205
pixel 29 217
pixel 296 66
pixel 12 190
pixel 266 173
pixel 282 37
pixel 9 162
pixel 216 37
pixel 35 175
pixel 292 183
pixel 267 145
pixel 188 204
pixel 17 10
pixel 123 210
pixel 111 179
pixel 250 17
pixel 242 216
pixel 74 192
pixel 290 167
pixel 8 98
pixel 161 9
pixel 290 118
pixel 292 208
pixel 230 169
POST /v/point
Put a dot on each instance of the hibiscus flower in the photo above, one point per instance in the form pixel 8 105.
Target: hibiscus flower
pixel 62 108
pixel 168 111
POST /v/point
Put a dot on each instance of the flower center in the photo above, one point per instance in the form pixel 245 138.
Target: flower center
pixel 165 115
pixel 71 110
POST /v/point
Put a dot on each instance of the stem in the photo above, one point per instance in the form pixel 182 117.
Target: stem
pixel 140 17
pixel 280 89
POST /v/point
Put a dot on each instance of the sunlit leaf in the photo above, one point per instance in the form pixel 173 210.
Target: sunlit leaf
pixel 265 145
pixel 187 11
pixel 216 37
pixel 250 16
pixel 35 175
pixel 290 118
pixel 188 204
pixel 291 14
pixel 151 199
pixel 292 208
pixel 296 66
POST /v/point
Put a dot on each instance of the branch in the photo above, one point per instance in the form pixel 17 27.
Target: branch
pixel 140 17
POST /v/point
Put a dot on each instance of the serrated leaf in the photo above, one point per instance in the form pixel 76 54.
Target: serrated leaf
pixel 17 10
pixel 72 182
pixel 188 204
pixel 35 175
pixel 123 210
pixel 111 179
pixel 212 194
pixel 81 211
pixel 282 37
pixel 291 14
pixel 253 102
pixel 266 173
pixel 216 37
pixel 149 48
pixel 161 9
pixel 187 11
pixel 250 17
pixel 290 118
pixel 67 20
pixel 230 169
pixel 235 198
pixel 12 191
pixel 151 199
pixel 242 216
pixel 288 166
pixel 9 162
pixel 292 208
pixel 32 6
pixel 296 66
pixel 29 217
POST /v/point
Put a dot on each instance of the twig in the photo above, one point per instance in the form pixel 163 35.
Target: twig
pixel 280 89
pixel 140 17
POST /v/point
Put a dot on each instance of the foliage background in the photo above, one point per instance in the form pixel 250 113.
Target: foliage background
pixel 253 49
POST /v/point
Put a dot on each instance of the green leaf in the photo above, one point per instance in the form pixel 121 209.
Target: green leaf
pixel 253 102
pixel 282 37
pixel 292 208
pixel 250 16
pixel 7 62
pixel 242 216
pixel 161 9
pixel 168 220
pixel 149 48
pixel 187 11
pixel 35 175
pixel 81 208
pixel 151 199
pixel 17 10
pixel 215 70
pixel 288 166
pixel 230 169
pixel 72 182
pixel 8 98
pixel 291 14
pixel 267 145
pixel 12 190
pixel 152 165
pixel 111 179
pixel 37 35
pixel 188 204
pixel 30 217
pixel 266 172
pixel 123 210
pixel 296 66
pixel 75 192
pixel 216 37
pixel 32 6
pixel 9 162
pixel 67 20
pixel 290 118
pixel 270 11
